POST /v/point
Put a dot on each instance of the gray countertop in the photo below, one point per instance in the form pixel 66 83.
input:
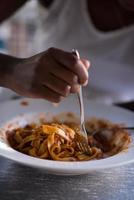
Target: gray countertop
pixel 18 182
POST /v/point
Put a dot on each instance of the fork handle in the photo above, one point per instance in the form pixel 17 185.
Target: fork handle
pixel 80 98
pixel 80 95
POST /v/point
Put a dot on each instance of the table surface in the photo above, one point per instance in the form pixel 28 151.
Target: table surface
pixel 18 182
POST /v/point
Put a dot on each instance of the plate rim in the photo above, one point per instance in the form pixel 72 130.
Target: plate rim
pixel 80 167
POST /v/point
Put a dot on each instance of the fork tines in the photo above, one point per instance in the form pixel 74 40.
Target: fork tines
pixel 82 143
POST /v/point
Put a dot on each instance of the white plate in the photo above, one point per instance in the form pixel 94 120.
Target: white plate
pixel 14 108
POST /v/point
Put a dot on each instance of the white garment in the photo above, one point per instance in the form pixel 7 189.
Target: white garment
pixel 67 25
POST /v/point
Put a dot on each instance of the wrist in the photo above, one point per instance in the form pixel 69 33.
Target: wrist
pixel 7 66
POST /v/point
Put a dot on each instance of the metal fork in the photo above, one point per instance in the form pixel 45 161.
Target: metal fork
pixel 81 137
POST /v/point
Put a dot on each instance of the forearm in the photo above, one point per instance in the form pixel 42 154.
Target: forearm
pixel 51 75
pixel 7 64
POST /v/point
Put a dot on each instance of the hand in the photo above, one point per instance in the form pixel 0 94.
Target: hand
pixel 51 75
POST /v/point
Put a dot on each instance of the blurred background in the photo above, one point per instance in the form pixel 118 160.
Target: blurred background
pixel 17 33
pixel 18 37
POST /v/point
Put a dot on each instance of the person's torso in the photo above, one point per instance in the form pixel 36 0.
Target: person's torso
pixel 68 25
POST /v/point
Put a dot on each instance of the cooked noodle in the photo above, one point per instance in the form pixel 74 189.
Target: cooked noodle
pixel 56 141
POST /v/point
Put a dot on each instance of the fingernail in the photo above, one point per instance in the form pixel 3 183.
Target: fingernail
pixel 75 80
pixel 75 88
pixel 85 83
pixel 68 88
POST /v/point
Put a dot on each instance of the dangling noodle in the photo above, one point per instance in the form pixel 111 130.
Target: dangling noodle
pixel 55 141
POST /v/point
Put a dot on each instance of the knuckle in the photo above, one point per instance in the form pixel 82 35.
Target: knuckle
pixel 66 90
pixel 75 88
pixel 74 78
pixel 58 99
pixel 51 49
pixel 34 89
